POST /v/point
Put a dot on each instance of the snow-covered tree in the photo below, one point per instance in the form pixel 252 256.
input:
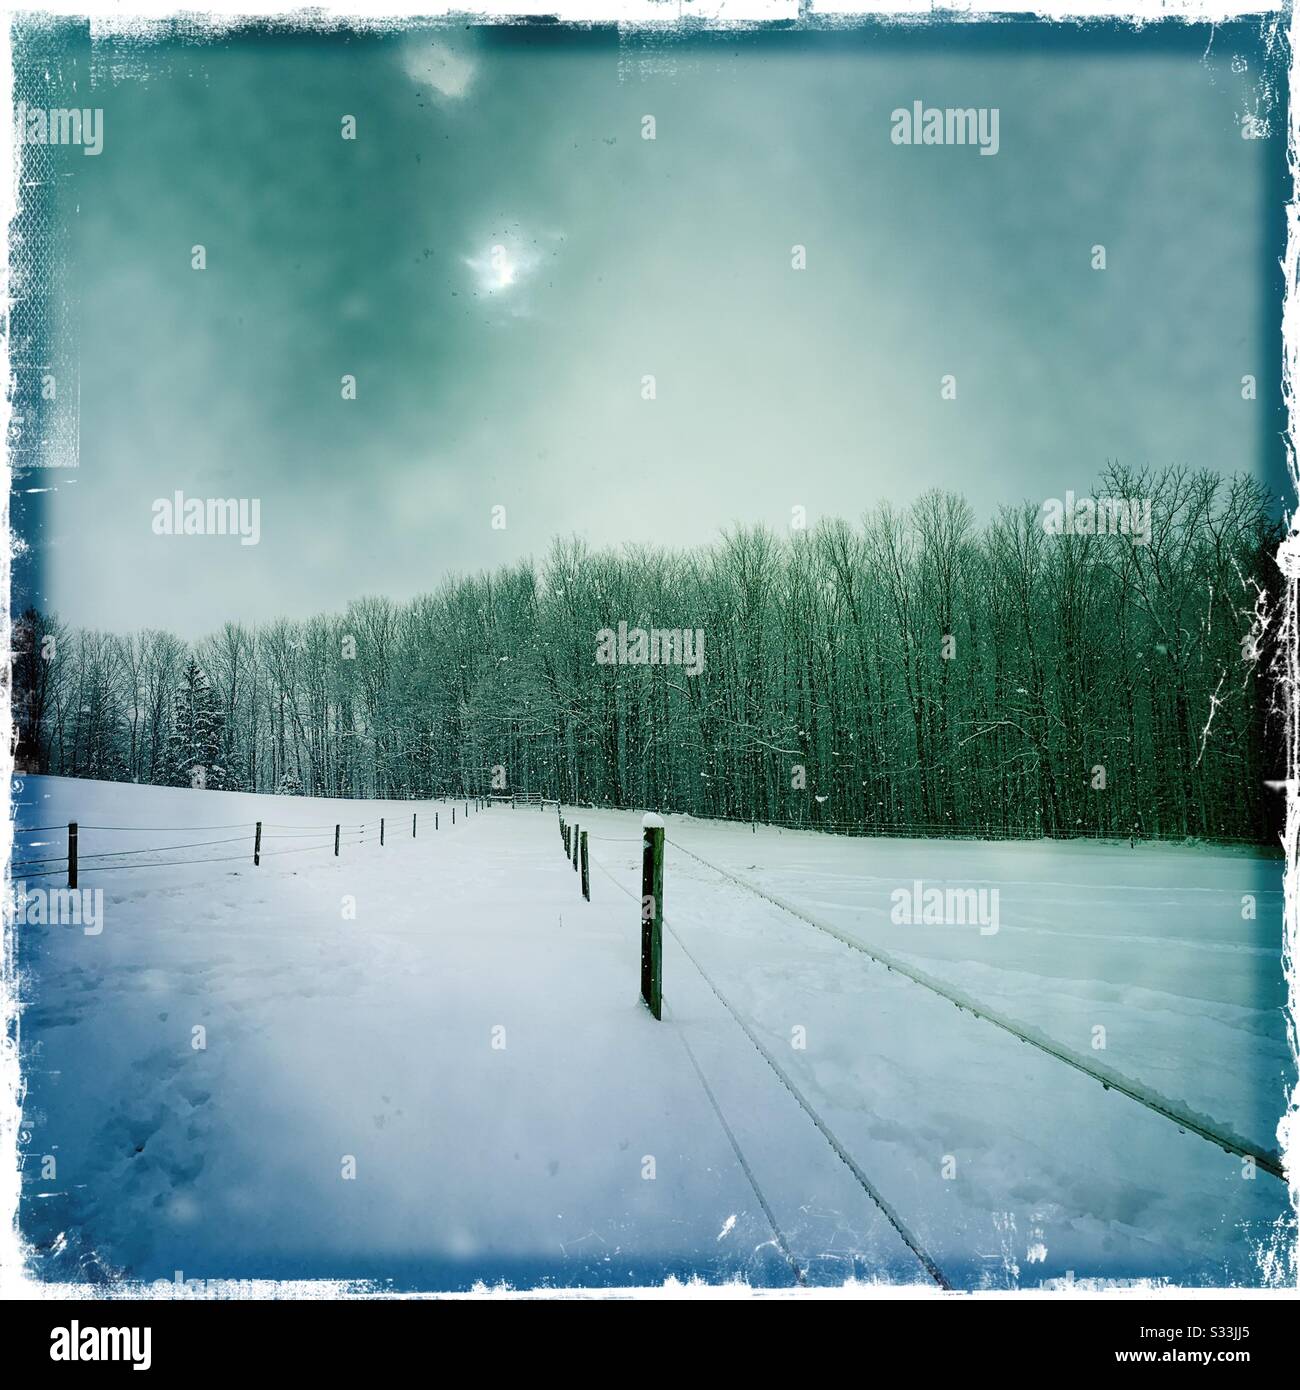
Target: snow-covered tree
pixel 198 725
pixel 290 784
pixel 920 670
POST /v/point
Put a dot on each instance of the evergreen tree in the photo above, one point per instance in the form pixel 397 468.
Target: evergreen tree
pixel 198 727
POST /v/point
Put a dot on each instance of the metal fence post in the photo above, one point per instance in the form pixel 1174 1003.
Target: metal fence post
pixel 652 912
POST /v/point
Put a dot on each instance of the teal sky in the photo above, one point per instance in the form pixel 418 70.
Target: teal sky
pixel 629 257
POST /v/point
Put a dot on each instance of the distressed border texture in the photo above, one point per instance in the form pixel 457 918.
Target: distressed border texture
pixel 23 295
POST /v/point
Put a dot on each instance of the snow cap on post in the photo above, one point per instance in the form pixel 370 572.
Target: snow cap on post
pixel 650 821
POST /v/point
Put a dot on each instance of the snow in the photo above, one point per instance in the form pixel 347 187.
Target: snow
pixel 472 1038
pixel 650 821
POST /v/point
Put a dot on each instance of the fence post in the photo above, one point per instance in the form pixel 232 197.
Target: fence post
pixel 381 830
pixel 652 912
pixel 257 845
pixel 435 820
pixel 575 849
pixel 586 877
pixel 413 815
pixel 453 815
pixel 336 842
pixel 72 854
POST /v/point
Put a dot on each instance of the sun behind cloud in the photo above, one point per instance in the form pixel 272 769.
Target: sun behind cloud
pixel 505 264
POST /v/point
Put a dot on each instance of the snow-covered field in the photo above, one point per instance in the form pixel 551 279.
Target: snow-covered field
pixel 446 1016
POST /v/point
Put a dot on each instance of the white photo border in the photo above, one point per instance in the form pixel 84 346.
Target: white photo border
pixel 149 18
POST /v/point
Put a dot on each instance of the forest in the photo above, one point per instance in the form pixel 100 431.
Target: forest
pixel 914 671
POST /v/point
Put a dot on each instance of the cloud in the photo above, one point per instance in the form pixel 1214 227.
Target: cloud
pixel 445 65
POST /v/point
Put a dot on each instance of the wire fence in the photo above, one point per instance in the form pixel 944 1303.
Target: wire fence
pixel 274 839
pixel 260 837
pixel 872 1191
pixel 928 830
pixel 1215 1132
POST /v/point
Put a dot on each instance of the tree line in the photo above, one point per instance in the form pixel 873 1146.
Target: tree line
pixel 913 671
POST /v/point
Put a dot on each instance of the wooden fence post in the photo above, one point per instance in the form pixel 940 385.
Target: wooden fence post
pixel 257 845
pixel 381 830
pixel 453 815
pixel 336 842
pixel 586 876
pixel 413 814
pixel 72 854
pixel 575 849
pixel 652 912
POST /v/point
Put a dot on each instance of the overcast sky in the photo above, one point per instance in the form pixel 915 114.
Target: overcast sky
pixel 520 383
